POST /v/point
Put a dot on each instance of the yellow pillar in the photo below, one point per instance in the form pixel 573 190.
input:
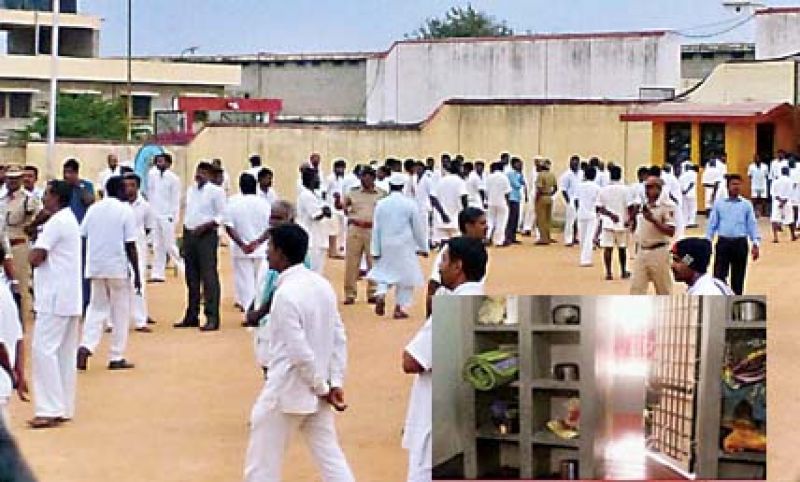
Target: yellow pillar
pixel 658 144
pixel 740 145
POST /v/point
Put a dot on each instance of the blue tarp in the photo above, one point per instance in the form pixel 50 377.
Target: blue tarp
pixel 144 160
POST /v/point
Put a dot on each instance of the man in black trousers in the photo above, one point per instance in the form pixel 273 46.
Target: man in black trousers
pixel 205 204
pixel 733 221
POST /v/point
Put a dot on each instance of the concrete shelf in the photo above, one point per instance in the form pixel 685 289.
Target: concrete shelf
pixel 547 438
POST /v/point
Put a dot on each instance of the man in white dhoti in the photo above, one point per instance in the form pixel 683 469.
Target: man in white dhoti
pixel 246 218
pixel 672 188
pixel 58 302
pixel 688 181
pixel 12 358
pixel 448 197
pixel 145 222
pixel 713 183
pixel 306 367
pixel 311 215
pixel 164 196
pixel 333 193
pixel 568 185
pixel 423 185
pixel 110 231
pixel 397 238
pixel 463 267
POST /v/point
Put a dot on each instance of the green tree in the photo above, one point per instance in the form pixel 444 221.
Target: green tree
pixel 84 117
pixel 462 22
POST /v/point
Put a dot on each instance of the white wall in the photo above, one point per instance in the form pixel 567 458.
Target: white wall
pixel 413 78
pixel 777 32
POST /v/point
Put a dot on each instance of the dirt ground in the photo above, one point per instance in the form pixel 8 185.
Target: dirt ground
pixel 182 413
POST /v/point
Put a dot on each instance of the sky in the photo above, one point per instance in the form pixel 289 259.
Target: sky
pixel 166 27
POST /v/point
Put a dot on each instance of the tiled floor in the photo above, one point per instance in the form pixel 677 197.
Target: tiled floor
pixel 626 457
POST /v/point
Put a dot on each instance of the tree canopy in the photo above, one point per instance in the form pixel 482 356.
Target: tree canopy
pixel 84 117
pixel 462 22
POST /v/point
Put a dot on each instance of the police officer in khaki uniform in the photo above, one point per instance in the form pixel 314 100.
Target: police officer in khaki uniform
pixel 546 187
pixel 652 263
pixel 20 210
pixel 359 207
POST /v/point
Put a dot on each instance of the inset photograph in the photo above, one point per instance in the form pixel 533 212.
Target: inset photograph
pixel 599 387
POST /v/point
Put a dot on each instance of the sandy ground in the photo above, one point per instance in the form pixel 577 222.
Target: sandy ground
pixel 182 413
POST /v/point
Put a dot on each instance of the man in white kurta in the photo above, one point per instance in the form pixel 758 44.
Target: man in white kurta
pixel 713 183
pixel 586 201
pixel 145 223
pixel 463 267
pixel 113 169
pixel 164 196
pixel 11 340
pixel 58 302
pixel 529 221
pixel 672 188
pixel 334 189
pixel 246 218
pixel 307 360
pixel 312 213
pixel 498 187
pixel 397 237
pixel 109 228
pixel 568 185
pixel 688 182
pixel 448 198
pixel 423 185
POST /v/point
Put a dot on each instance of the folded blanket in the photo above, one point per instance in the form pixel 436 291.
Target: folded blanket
pixel 491 370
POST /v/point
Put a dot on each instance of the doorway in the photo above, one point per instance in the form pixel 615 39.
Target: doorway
pixel 765 141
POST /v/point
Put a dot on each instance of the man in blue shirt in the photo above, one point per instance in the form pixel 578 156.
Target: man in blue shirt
pixel 733 221
pixel 82 197
pixel 518 187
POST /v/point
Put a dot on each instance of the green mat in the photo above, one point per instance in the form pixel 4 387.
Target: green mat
pixel 491 369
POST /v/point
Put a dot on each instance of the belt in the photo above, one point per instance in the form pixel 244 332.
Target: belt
pixel 732 238
pixel 360 224
pixel 17 241
pixel 655 246
pixel 709 185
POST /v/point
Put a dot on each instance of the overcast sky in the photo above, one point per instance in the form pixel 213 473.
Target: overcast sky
pixel 163 27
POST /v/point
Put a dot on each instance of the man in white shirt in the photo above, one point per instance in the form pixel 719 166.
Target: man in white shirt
pixel 333 193
pixel 29 180
pixel 529 223
pixel 307 361
pixel 12 359
pixel 448 198
pixel 498 188
pixel 397 239
pixel 758 172
pixel 713 183
pixel 113 169
pixel 794 176
pixel 109 228
pixel 782 213
pixel 688 182
pixel 246 218
pixel 777 165
pixel 311 215
pixel 568 185
pixel 690 259
pixel 58 302
pixel 586 202
pixel 672 188
pixel 255 165
pixel 462 269
pixel 265 189
pixel 145 223
pixel 205 206
pixel 226 178
pixel 476 188
pixel 613 202
pixel 423 185
pixel 164 196
pixel 472 223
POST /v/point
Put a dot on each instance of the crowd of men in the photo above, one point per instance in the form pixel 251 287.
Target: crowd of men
pixel 80 251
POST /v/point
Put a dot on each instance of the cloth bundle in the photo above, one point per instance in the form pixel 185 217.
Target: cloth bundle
pixel 492 311
pixel 490 370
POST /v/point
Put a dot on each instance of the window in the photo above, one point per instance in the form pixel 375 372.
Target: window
pixel 19 105
pixel 15 105
pixel 712 140
pixel 678 142
pixel 141 106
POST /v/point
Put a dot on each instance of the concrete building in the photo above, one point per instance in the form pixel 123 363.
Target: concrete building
pixel 777 32
pixel 699 60
pixel 410 80
pixel 328 87
pixel 25 69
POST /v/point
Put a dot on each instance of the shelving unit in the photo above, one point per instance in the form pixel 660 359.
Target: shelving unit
pixel 535 452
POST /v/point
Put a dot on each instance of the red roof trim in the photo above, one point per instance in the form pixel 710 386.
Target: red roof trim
pixel 711 117
pixel 528 38
pixel 777 10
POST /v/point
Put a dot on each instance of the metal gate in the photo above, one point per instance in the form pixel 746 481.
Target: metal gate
pixel 673 380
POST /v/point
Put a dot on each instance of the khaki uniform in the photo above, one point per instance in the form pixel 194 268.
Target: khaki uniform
pixel 545 184
pixel 653 259
pixel 359 236
pixel 18 211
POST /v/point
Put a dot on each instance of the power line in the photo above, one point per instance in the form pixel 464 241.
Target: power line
pixel 720 32
pixel 708 25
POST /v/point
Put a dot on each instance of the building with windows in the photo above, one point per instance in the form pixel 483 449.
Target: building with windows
pixel 25 68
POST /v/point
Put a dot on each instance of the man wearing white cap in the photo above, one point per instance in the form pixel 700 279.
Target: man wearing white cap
pixel 397 237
